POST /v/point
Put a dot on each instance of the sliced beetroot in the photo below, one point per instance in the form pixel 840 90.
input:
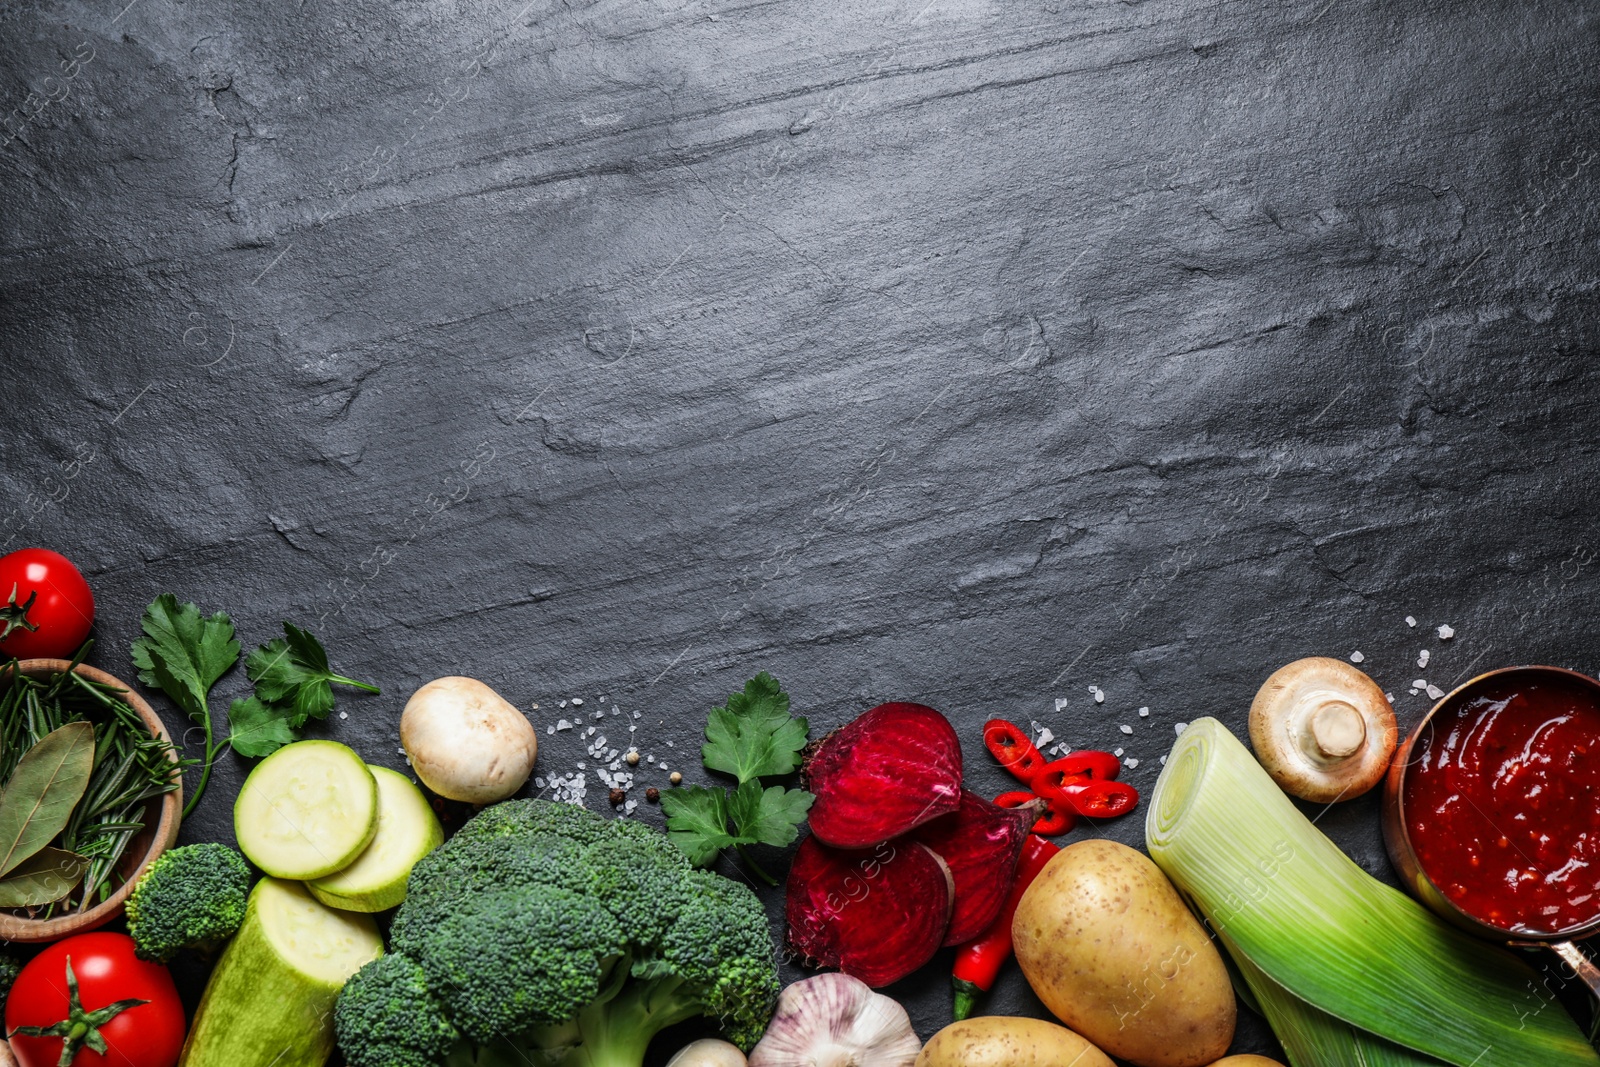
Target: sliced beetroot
pixel 980 844
pixel 876 914
pixel 883 775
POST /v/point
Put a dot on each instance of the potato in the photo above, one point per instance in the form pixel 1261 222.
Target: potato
pixel 1246 1061
pixel 999 1041
pixel 1107 944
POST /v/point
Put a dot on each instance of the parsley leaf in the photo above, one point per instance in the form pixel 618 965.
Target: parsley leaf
pixel 750 737
pixel 183 654
pixel 291 673
pixel 255 729
pixel 770 816
pixel 697 822
pixel 753 736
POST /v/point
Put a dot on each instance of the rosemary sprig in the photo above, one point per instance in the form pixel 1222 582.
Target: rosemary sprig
pixel 130 768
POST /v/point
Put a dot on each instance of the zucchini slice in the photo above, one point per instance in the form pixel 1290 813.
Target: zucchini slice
pixel 407 831
pixel 307 810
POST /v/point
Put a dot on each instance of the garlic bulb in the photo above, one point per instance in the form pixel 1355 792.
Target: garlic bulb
pixel 833 1020
pixel 708 1052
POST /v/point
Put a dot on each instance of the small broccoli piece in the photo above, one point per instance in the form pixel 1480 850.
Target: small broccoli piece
pixel 386 1015
pixel 543 933
pixel 10 967
pixel 190 898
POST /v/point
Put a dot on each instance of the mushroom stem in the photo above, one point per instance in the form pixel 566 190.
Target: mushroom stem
pixel 1337 731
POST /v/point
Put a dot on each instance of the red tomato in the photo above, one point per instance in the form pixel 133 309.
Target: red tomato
pixel 50 609
pixel 106 972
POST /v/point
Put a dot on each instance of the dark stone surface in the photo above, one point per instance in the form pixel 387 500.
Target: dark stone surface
pixel 965 352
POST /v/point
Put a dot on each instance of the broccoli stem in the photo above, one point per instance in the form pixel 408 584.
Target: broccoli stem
pixel 755 868
pixel 614 1032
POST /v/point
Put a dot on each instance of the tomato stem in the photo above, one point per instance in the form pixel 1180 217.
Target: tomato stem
pixel 80 1027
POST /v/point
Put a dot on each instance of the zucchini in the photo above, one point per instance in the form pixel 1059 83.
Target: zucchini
pixel 407 831
pixel 270 1001
pixel 307 810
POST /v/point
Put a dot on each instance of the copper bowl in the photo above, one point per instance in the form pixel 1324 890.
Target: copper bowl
pixel 162 815
pixel 1397 838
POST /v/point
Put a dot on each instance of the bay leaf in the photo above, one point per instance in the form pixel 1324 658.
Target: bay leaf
pixel 47 784
pixel 42 878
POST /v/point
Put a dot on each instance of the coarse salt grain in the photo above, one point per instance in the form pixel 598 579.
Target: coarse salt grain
pixel 1410 621
pixel 1116 752
pixel 1130 761
pixel 1435 692
pixel 1356 656
pixel 1144 713
pixel 1125 728
pixel 561 704
pixel 344 715
pixel 577 702
pixel 1389 697
pixel 549 729
pixel 1045 737
pixel 1099 694
pixel 1446 632
pixel 1422 658
pixel 1420 683
pixel 1179 727
pixel 1060 703
pixel 563 724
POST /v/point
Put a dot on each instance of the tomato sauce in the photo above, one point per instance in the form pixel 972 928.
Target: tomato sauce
pixel 1502 801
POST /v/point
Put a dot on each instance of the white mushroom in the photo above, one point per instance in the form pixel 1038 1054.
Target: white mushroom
pixel 833 1020
pixel 708 1052
pixel 467 742
pixel 1323 730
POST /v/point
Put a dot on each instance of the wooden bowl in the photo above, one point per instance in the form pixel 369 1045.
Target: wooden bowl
pixel 161 818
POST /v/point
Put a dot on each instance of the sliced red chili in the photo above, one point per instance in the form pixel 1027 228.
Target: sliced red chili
pixel 1012 748
pixel 1099 800
pixel 1088 764
pixel 1058 816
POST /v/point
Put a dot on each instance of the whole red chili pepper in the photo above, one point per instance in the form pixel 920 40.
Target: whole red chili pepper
pixel 978 962
pixel 1058 816
pixel 1012 748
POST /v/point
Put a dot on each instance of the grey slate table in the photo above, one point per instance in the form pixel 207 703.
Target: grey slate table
pixel 968 352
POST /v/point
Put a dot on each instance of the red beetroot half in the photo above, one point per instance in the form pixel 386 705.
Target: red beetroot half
pixel 876 914
pixel 883 775
pixel 980 844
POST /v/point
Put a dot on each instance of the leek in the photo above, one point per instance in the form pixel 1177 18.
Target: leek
pixel 1313 1038
pixel 1305 916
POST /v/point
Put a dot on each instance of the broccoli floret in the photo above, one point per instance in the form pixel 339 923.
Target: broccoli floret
pixel 10 967
pixel 543 933
pixel 190 898
pixel 387 1012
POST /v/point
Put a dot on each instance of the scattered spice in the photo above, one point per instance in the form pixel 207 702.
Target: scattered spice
pixel 616 796
pixel 675 778
pixel 652 794
pixel 633 759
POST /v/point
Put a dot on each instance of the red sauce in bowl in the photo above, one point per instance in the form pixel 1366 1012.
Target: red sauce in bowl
pixel 1502 802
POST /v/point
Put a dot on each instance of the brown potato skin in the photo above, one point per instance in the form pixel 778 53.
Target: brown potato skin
pixel 1246 1060
pixel 1003 1041
pixel 1108 945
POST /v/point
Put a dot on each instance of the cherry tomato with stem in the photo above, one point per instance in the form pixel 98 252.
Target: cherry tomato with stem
pixel 89 1001
pixel 49 608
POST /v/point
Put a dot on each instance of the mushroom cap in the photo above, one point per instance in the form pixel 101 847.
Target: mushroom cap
pixel 1322 729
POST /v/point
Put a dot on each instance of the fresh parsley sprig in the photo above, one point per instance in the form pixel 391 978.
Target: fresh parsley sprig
pixel 752 737
pixel 183 654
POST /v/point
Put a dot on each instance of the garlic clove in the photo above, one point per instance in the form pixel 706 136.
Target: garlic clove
pixel 708 1052
pixel 833 1020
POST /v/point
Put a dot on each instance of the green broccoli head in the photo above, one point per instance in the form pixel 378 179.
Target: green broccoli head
pixel 544 932
pixel 189 898
pixel 386 1015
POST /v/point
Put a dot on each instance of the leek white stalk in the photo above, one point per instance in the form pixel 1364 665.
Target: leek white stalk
pixel 1287 899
